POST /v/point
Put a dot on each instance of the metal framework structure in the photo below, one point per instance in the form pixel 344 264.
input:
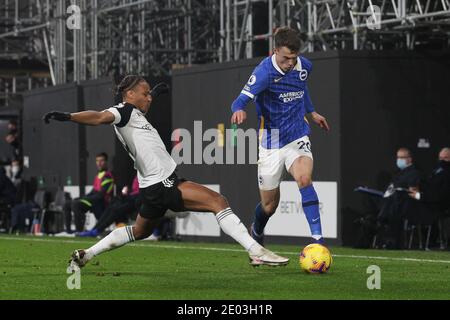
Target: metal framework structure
pixel 47 42
pixel 64 41
pixel 340 25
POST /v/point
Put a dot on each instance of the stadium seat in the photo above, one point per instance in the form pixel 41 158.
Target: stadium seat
pixel 428 220
pixel 54 216
pixel 41 198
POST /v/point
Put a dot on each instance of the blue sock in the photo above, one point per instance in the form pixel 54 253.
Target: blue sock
pixel 260 221
pixel 310 204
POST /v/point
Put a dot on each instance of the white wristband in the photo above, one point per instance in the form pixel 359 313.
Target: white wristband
pixel 417 196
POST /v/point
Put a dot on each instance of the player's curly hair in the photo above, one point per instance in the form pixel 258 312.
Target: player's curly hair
pixel 289 38
pixel 127 83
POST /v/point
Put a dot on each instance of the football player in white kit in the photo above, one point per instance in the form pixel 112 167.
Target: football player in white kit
pixel 160 188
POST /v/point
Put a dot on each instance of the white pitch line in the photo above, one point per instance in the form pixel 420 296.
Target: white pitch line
pixel 390 258
pixel 144 244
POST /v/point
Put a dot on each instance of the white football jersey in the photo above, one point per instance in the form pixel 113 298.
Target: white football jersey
pixel 143 143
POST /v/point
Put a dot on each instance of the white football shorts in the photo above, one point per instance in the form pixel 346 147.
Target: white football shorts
pixel 272 161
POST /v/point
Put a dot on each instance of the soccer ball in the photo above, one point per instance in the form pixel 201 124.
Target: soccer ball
pixel 315 258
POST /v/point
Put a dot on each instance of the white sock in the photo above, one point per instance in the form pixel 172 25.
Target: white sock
pixel 232 226
pixel 115 239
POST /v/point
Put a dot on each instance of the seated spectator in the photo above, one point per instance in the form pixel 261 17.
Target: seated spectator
pixel 434 191
pixel 22 215
pixel 396 203
pixel 7 189
pixel 7 198
pixel 95 201
pixel 31 199
pixel 119 211
pixel 22 212
pixel 122 208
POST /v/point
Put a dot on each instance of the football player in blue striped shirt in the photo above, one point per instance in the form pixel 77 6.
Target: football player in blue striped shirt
pixel 278 85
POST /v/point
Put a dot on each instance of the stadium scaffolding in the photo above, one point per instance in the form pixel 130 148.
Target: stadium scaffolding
pixel 342 25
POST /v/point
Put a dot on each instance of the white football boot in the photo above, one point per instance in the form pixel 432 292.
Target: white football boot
pixel 267 257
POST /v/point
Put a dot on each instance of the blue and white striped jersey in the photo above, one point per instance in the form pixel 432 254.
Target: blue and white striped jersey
pixel 282 100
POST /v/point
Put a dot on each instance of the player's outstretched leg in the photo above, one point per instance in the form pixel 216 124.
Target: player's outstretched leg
pixel 301 170
pixel 195 198
pixel 263 211
pixel 142 229
pixel 199 198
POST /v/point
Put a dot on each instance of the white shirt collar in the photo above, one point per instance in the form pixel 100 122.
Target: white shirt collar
pixel 297 67
pixel 275 65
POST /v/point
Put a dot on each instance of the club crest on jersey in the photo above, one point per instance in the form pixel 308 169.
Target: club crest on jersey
pixel 252 80
pixel 303 74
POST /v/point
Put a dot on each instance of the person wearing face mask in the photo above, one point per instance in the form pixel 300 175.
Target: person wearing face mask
pixel 434 191
pixel 408 175
pixel 396 204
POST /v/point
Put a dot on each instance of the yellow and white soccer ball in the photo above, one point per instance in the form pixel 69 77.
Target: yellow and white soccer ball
pixel 315 258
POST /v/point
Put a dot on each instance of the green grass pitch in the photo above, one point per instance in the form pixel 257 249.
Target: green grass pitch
pixel 35 268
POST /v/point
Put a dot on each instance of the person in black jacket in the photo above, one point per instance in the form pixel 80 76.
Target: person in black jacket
pixel 434 192
pixel 7 197
pixel 396 204
pixel 7 189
